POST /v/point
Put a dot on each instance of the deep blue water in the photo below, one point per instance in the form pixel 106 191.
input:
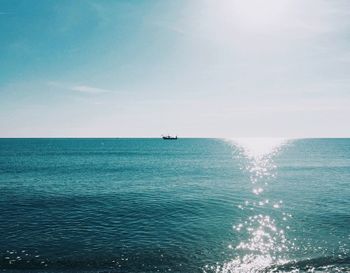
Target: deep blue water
pixel 190 205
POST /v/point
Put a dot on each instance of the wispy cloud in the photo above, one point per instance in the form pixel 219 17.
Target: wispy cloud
pixel 169 27
pixel 6 13
pixel 89 89
pixel 83 88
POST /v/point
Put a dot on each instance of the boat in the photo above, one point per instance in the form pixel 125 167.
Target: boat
pixel 168 137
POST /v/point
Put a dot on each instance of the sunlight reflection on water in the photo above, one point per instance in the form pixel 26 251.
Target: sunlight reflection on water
pixel 265 241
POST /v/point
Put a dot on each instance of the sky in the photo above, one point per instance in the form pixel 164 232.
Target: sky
pixel 194 68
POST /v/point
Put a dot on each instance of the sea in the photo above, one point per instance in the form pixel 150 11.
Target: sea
pixel 187 205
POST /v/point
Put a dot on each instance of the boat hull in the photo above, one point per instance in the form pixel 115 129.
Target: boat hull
pixel 169 138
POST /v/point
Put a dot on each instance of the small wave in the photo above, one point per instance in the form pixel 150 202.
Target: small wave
pixel 266 264
pixel 319 264
pixel 138 261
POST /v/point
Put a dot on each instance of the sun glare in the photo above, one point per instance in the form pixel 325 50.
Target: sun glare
pixel 256 148
pixel 256 14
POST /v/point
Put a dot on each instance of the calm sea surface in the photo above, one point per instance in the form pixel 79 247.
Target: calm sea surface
pixel 190 205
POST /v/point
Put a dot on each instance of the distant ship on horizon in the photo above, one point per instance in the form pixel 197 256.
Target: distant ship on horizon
pixel 169 137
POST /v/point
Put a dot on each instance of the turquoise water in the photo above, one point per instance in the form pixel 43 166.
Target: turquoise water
pixel 191 205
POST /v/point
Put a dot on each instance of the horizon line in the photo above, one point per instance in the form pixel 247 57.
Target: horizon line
pixel 185 137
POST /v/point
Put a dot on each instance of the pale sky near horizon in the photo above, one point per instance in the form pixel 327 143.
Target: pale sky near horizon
pixel 197 68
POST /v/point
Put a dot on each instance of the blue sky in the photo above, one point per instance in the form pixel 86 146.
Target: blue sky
pixel 228 68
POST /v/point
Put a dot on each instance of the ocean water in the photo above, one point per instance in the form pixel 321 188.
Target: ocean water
pixel 190 205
